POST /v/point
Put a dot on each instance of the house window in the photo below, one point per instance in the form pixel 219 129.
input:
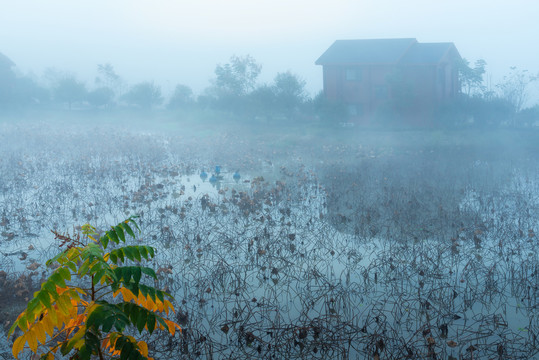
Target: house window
pixel 353 74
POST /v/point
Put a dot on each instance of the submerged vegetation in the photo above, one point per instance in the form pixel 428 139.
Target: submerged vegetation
pixel 337 243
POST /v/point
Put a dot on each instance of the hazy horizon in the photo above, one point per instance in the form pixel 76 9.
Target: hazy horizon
pixel 174 43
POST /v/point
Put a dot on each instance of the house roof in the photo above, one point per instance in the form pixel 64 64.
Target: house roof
pixel 427 53
pixel 5 61
pixel 384 51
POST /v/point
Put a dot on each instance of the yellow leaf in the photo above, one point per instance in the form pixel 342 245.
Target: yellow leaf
pixel 116 293
pixel 39 330
pixel 172 327
pixel 60 290
pixel 169 305
pixel 64 304
pixel 32 340
pixel 54 316
pixel 79 343
pixel 18 345
pixel 141 299
pixel 54 349
pixel 47 324
pixel 80 291
pixel 159 305
pixel 128 294
pixel 150 304
pixel 78 336
pixel 74 302
pixel 143 347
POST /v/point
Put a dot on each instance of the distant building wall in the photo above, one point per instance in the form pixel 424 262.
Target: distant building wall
pixel 423 77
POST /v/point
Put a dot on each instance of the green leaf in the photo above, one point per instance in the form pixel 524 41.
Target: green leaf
pixel 108 323
pixel 98 276
pixel 113 237
pixel 104 241
pixel 84 268
pixel 117 254
pixel 143 252
pixel 22 322
pixel 31 309
pixel 141 320
pixel 12 328
pixel 128 229
pixel 137 273
pixel 129 252
pixel 162 322
pixel 151 292
pixel 136 253
pixel 54 259
pixel 33 304
pixel 151 322
pixel 51 288
pixel 132 221
pixel 149 271
pixel 72 266
pixel 64 272
pixel 45 299
pixel 126 351
pixel 160 295
pixel 58 280
pixel 95 318
pixel 97 266
pixel 120 232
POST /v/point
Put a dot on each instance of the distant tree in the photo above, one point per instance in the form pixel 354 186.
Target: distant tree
pixel 182 96
pixel 108 78
pixel 289 91
pixel 528 117
pixel 101 97
pixel 471 79
pixel 69 90
pixel 29 93
pixel 328 110
pixel 238 77
pixel 262 101
pixel 7 80
pixel 490 112
pixel 514 87
pixel 145 95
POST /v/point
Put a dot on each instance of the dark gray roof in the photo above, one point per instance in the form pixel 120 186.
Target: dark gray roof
pixel 5 61
pixel 372 51
pixel 384 51
pixel 427 53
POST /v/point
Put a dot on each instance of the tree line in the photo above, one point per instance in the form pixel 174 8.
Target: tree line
pixel 485 104
pixel 235 89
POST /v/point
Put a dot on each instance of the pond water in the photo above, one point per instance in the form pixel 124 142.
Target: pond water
pixel 260 267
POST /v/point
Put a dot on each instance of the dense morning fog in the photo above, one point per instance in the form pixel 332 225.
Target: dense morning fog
pixel 273 180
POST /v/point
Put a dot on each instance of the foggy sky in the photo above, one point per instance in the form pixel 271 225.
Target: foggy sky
pixel 180 41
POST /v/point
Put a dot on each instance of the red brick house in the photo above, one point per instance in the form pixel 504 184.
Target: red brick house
pixel 377 77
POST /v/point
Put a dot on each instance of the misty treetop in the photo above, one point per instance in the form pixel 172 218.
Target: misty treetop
pixel 235 90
